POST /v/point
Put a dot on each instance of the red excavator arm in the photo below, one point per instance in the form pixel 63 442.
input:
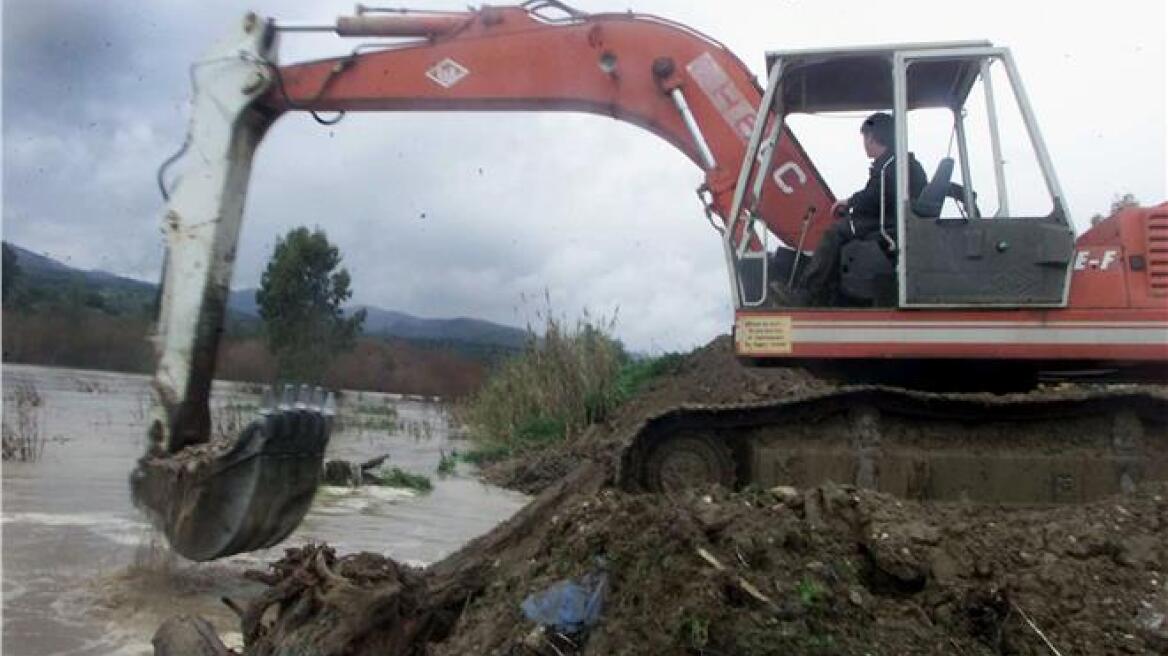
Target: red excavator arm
pixel 631 67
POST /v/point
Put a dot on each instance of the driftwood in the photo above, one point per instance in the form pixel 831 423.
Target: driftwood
pixel 368 604
pixel 349 473
pixel 374 463
pixel 185 635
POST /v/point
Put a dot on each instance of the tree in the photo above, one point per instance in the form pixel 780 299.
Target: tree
pixel 1118 202
pixel 300 298
pixel 10 274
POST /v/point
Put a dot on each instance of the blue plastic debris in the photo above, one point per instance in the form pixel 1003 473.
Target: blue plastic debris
pixel 568 606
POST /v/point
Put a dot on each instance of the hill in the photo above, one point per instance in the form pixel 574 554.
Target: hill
pixel 44 279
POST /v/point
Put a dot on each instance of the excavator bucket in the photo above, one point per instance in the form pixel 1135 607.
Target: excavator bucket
pixel 221 498
pixel 217 497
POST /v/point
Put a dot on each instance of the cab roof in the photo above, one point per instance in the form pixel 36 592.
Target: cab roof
pixel 860 78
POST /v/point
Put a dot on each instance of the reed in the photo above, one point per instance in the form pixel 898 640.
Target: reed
pixel 571 377
pixel 21 436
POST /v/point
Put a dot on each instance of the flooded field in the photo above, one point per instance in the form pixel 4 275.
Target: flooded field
pixel 83 572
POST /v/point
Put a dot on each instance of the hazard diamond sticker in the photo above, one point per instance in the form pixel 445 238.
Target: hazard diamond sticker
pixel 447 72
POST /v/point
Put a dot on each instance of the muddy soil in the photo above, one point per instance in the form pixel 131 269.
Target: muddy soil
pixel 825 570
pixel 834 570
pixel 828 570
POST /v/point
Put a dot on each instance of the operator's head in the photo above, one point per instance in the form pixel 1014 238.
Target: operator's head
pixel 879 134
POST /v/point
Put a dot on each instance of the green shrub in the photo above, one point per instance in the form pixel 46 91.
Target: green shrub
pixel 810 593
pixel 635 374
pixel 398 478
pixel 558 386
pixel 447 463
pixel 485 454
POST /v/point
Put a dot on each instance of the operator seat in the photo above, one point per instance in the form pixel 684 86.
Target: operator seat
pixel 867 269
pixel 928 204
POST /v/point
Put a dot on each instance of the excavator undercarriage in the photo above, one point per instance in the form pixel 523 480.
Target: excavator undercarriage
pixel 1056 446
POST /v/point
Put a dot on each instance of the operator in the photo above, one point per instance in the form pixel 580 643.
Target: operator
pixel 860 214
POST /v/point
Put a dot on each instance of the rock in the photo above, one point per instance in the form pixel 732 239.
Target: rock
pixel 1138 551
pixel 943 566
pixel 856 597
pixel 342 473
pixel 816 567
pixel 983 568
pixel 812 511
pixel 785 493
pixel 922 533
pixel 891 555
pixel 712 518
pixel 534 640
pixel 836 499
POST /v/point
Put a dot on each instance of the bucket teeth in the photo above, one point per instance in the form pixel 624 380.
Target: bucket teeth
pixel 221 498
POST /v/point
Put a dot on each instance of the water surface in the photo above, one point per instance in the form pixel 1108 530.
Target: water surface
pixel 83 573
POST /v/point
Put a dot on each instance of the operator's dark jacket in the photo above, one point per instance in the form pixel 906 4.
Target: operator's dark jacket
pixel 821 276
pixel 864 205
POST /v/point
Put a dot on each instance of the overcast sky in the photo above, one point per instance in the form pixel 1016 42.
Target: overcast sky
pixel 465 214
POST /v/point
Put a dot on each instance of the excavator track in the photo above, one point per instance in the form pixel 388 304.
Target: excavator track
pixel 1050 446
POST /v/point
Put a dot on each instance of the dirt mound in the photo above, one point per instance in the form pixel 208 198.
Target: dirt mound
pixel 831 570
pixel 709 375
pixel 836 570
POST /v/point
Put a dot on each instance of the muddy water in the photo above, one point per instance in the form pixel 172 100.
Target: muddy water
pixel 84 574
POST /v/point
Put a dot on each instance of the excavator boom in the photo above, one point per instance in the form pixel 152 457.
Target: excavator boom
pixel 650 72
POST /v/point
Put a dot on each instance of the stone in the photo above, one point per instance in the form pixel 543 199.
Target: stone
pixel 784 493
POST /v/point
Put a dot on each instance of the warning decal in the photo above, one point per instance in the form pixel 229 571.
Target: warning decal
pixel 762 335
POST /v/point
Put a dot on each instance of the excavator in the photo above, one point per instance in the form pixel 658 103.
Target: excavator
pixel 991 357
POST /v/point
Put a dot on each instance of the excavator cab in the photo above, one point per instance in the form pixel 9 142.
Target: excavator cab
pixel 951 110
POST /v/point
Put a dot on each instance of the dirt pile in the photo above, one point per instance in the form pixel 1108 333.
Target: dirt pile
pixel 831 570
pixel 835 570
pixel 709 375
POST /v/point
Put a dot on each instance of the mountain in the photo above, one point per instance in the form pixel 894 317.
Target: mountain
pixel 44 279
pixel 462 329
pixel 104 290
pixel 40 265
pixel 391 323
pixel 42 268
